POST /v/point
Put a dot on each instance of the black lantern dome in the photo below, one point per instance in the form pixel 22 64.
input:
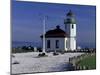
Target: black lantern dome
pixel 70 18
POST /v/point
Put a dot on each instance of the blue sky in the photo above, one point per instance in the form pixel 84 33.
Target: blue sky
pixel 27 20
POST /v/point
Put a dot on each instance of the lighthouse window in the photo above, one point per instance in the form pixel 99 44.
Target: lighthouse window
pixel 66 43
pixel 72 26
pixel 48 43
pixel 57 43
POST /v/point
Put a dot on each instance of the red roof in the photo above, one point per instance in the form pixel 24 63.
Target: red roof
pixel 55 33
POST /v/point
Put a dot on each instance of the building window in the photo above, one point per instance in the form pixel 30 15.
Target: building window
pixel 48 43
pixel 57 43
pixel 72 26
pixel 66 43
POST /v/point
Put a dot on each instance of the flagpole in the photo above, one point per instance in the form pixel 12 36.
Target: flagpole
pixel 44 22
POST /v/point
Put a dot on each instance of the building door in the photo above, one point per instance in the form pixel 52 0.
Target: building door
pixel 48 43
pixel 57 43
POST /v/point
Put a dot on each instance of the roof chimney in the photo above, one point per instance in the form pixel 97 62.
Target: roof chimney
pixel 58 27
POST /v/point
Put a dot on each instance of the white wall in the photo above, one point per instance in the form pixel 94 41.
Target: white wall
pixel 53 44
pixel 73 30
pixel 72 43
pixel 72 33
pixel 66 47
pixel 73 37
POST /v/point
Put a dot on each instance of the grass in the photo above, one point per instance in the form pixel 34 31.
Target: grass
pixel 89 61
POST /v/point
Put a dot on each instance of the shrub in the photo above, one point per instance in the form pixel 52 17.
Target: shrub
pixel 16 62
pixel 42 55
pixel 55 53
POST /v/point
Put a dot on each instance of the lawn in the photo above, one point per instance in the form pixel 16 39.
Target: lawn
pixel 89 61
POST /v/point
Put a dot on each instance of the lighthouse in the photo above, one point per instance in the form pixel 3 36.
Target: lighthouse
pixel 70 29
pixel 58 39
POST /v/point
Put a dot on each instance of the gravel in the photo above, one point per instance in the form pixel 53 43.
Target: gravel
pixel 31 63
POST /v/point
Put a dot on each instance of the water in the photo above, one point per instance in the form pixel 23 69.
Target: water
pixel 21 43
pixel 39 44
pixel 87 45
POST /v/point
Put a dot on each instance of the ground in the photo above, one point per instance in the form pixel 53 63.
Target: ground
pixel 30 63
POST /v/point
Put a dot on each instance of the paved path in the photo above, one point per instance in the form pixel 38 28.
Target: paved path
pixel 29 63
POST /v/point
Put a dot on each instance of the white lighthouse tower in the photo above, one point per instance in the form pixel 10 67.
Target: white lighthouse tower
pixel 70 29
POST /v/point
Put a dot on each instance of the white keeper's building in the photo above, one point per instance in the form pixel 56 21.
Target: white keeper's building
pixel 58 39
